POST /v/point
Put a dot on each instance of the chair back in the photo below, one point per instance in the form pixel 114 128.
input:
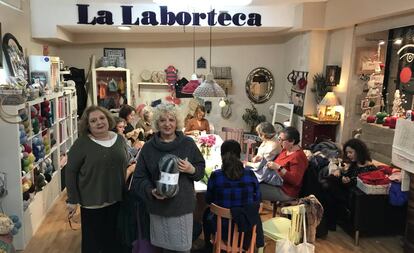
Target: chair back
pixel 228 133
pixel 297 213
pixel 235 239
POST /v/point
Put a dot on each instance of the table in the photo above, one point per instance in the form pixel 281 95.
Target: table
pixel 213 161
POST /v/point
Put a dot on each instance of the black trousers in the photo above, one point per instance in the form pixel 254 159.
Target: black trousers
pixel 335 196
pixel 99 228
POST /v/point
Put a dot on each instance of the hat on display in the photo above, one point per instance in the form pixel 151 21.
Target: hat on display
pixel 190 87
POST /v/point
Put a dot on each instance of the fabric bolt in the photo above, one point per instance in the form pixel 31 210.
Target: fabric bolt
pixel 228 193
pixel 173 233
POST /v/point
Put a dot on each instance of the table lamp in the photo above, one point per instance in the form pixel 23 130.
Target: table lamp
pixel 328 103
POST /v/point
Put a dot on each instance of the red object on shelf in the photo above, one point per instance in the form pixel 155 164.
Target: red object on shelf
pixel 405 75
pixel 386 121
pixel 371 119
pixel 393 121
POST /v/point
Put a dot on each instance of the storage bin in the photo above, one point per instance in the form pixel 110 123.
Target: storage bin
pixel 373 189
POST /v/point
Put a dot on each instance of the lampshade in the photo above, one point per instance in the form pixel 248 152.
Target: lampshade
pixel 209 88
pixel 330 100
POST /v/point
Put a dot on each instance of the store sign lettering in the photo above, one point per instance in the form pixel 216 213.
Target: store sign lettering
pixel 165 17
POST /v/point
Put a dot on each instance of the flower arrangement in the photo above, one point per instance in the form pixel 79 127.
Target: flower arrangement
pixel 207 141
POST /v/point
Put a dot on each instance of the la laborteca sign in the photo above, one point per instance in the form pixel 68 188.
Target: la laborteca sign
pixel 165 17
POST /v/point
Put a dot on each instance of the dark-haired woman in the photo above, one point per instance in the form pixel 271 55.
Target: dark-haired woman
pixel 290 164
pixel 336 188
pixel 230 186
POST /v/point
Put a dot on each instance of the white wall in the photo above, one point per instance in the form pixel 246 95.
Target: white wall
pixel 242 58
pixel 18 23
pixel 339 51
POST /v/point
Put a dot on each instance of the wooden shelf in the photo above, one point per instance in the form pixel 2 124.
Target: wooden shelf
pixel 150 84
pixel 316 120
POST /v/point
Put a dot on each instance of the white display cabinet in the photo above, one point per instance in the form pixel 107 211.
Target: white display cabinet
pixel 111 87
pixel 59 125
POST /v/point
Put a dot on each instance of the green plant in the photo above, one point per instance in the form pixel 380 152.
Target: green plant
pixel 252 118
pixel 319 87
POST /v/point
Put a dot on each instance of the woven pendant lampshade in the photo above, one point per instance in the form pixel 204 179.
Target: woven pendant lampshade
pixel 209 87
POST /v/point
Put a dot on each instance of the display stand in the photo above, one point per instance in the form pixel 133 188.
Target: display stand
pixel 111 87
pixel 62 128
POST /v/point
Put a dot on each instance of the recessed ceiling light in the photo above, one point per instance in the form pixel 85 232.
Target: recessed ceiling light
pixel 124 28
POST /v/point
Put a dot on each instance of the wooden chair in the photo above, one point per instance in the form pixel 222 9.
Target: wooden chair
pixel 234 244
pixel 283 228
pixel 236 134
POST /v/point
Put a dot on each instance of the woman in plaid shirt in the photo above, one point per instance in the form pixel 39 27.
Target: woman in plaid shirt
pixel 231 186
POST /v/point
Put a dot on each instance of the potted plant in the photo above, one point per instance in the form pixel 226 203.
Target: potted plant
pixel 319 87
pixel 252 118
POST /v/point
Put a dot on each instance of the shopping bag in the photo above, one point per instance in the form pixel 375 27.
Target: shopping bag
pixel 287 246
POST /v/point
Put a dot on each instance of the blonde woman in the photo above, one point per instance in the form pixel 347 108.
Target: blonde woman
pixel 171 219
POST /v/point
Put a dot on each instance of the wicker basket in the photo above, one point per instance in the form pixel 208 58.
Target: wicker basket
pixel 373 189
pixel 221 72
pixel 12 96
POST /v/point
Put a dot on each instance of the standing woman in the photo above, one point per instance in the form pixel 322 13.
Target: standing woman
pixel 95 179
pixel 171 219
pixel 198 123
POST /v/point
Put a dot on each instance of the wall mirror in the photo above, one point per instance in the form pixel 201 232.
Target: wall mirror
pixel 259 85
pixel 282 116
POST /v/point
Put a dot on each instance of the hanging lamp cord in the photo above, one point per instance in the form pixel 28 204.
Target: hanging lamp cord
pixel 193 49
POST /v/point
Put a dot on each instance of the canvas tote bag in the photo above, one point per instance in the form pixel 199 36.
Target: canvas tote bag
pixel 287 246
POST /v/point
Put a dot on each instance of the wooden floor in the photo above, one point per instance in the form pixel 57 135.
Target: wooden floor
pixel 56 236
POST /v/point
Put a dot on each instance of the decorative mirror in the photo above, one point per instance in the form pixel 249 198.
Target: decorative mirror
pixel 259 85
pixel 282 116
pixel 13 53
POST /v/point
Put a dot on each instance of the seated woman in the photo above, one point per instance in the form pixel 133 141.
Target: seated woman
pixel 198 123
pixel 336 186
pixel 269 148
pixel 145 122
pixel 127 112
pixel 230 186
pixel 290 164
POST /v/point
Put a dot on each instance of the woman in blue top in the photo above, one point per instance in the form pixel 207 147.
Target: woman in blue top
pixel 231 186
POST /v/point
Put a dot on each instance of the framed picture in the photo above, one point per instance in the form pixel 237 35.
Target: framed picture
pixel 333 75
pixel 112 54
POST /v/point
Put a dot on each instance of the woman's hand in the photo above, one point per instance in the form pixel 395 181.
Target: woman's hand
pixel 346 180
pixel 156 194
pixel 336 173
pixel 185 166
pixel 273 165
pixel 256 159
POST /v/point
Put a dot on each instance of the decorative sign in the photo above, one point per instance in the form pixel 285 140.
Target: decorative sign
pixel 165 17
pixel 112 54
pixel 201 63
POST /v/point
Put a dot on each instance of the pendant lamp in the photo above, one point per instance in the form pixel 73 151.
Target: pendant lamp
pixel 209 87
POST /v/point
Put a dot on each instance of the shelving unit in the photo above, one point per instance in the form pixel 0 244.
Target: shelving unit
pixel 62 127
pixel 152 85
pixel 109 96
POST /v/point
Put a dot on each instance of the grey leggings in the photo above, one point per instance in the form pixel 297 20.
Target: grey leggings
pixel 273 193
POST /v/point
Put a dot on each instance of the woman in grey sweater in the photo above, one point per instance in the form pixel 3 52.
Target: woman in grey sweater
pixel 171 219
pixel 95 179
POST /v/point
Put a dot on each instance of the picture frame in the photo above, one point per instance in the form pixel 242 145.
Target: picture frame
pixel 112 54
pixel 333 75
